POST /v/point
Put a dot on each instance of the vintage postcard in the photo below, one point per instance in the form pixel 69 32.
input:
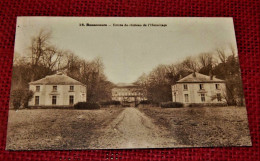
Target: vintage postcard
pixel 124 83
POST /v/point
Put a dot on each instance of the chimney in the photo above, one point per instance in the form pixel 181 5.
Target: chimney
pixel 210 75
pixel 59 73
pixel 180 77
pixel 194 74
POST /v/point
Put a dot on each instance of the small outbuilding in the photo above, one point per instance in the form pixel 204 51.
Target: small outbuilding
pixel 57 90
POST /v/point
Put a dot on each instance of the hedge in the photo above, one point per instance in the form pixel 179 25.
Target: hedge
pixel 207 104
pixel 171 104
pixel 107 103
pixel 87 105
pixel 145 102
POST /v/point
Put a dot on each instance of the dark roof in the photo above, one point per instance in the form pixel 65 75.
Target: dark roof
pixel 199 78
pixel 56 79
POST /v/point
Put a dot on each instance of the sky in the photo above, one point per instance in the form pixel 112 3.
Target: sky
pixel 129 51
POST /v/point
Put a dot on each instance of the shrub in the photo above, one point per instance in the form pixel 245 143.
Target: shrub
pixel 148 103
pixel 20 98
pixel 107 103
pixel 195 105
pixel 207 104
pixel 145 102
pixel 171 104
pixel 87 105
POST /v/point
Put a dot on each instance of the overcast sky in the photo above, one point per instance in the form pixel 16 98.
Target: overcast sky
pixel 127 52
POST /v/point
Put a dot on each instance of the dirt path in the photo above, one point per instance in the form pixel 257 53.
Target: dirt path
pixel 132 129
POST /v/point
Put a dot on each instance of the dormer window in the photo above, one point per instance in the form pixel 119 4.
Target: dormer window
pixel 201 86
pixel 54 88
pixel 37 88
pixel 71 88
pixel 185 87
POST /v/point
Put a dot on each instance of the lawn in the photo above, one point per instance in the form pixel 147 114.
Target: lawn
pixel 63 129
pixel 204 126
pixel 56 128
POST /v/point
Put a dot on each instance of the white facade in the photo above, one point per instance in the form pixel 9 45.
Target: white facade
pixel 48 93
pixel 201 89
pixel 128 93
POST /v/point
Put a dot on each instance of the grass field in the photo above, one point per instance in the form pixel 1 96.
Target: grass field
pixel 204 126
pixel 56 128
pixel 50 129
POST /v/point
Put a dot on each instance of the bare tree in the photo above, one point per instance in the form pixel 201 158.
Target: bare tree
pixel 52 58
pixel 205 59
pixel 39 45
pixel 221 55
pixel 191 64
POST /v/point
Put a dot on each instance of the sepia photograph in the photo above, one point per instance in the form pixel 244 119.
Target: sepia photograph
pixel 126 83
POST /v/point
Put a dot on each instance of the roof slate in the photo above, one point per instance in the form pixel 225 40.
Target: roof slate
pixel 56 79
pixel 198 78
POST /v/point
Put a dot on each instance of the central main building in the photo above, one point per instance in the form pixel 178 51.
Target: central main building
pixel 128 94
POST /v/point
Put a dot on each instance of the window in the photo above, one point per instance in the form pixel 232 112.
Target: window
pixel 54 88
pixel 37 100
pixel 37 88
pixel 217 86
pixel 202 97
pixel 185 87
pixel 71 100
pixel 218 97
pixel 186 96
pixel 201 86
pixel 71 88
pixel 54 100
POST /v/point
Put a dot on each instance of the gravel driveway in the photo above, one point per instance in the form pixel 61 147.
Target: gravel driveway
pixel 132 129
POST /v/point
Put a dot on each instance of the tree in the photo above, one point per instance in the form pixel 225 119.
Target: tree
pixel 206 63
pixel 205 59
pixel 222 55
pixel 46 59
pixel 158 82
pixel 191 64
pixel 229 70
pixel 20 98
